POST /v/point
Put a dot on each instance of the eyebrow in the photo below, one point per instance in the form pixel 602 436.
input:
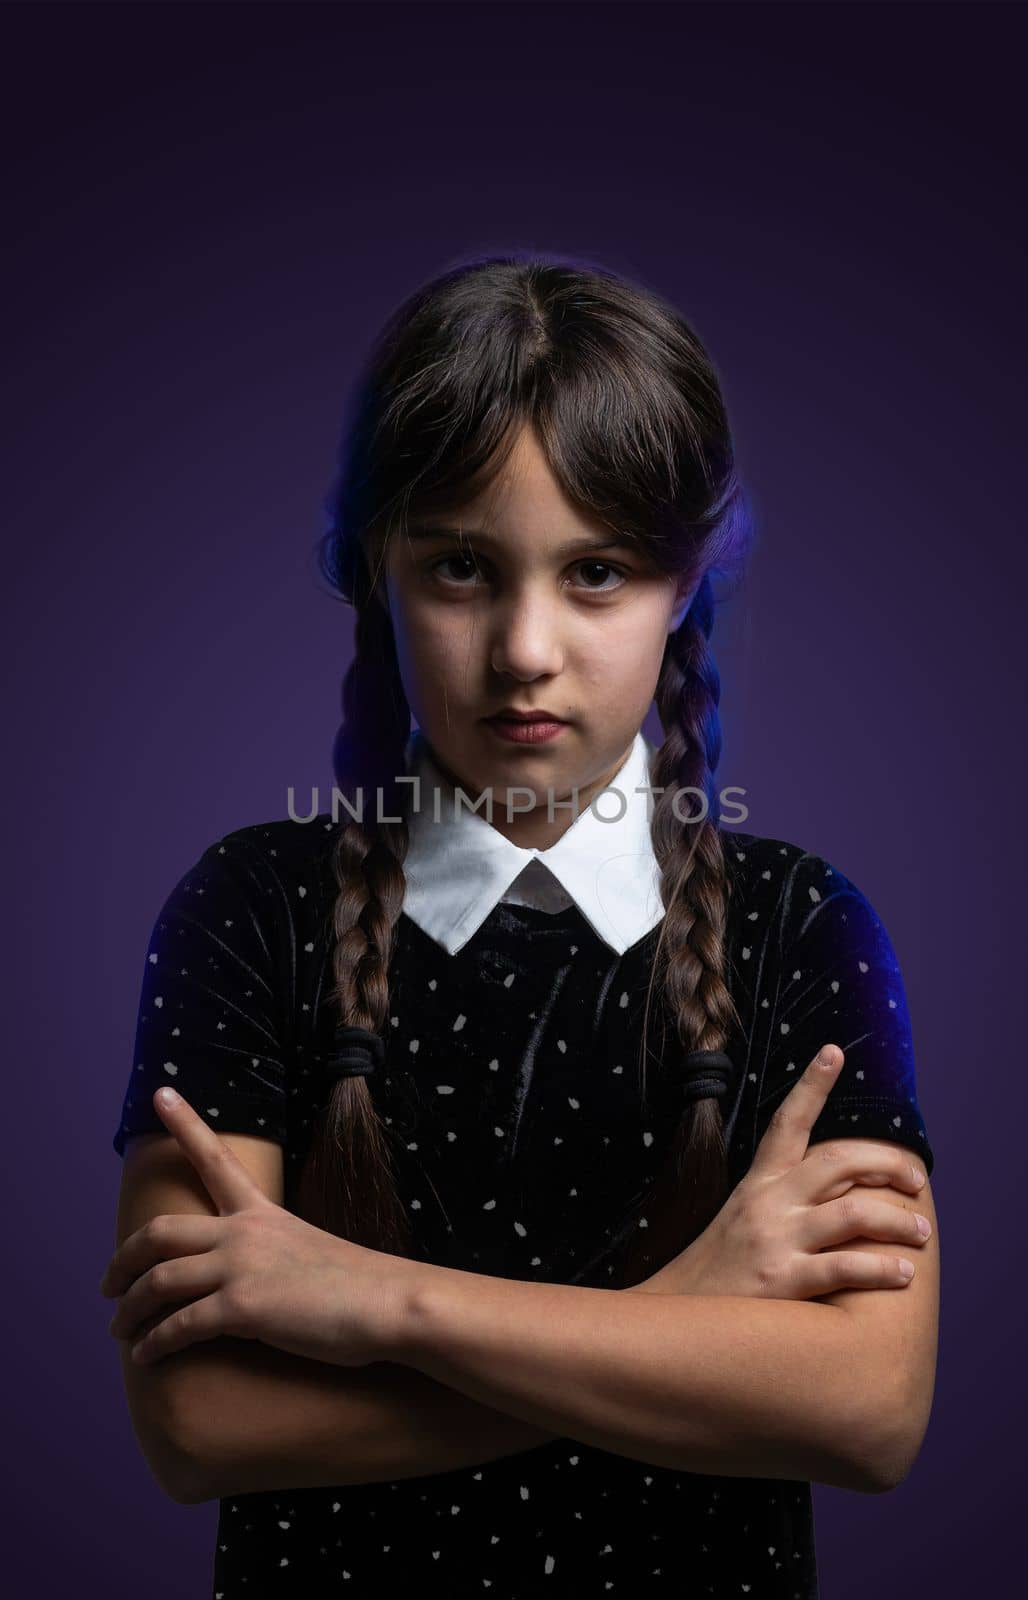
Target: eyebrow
pixel 607 541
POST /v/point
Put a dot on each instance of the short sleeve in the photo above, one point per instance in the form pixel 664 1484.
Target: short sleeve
pixel 210 1010
pixel 839 982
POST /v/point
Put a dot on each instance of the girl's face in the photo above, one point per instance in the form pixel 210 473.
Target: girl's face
pixel 537 609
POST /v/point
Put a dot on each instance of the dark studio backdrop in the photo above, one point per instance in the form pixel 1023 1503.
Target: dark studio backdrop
pixel 210 208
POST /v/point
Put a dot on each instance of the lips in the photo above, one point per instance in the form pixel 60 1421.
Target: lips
pixel 524 716
pixel 537 728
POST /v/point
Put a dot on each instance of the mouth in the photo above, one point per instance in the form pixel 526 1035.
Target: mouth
pixel 526 727
pixel 509 714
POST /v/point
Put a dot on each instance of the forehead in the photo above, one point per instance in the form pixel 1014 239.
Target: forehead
pixel 523 508
pixel 522 488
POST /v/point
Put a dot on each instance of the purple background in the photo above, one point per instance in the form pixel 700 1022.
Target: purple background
pixel 212 208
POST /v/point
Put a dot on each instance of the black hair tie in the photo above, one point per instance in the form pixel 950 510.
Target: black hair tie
pixel 357 1052
pixel 704 1073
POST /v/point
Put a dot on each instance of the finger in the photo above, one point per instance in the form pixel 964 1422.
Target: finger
pixel 225 1178
pixel 785 1140
pixel 159 1239
pixel 832 1166
pixel 169 1283
pixel 856 1215
pixel 855 1269
pixel 191 1324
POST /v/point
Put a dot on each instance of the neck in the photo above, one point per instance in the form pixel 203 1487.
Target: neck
pixel 531 829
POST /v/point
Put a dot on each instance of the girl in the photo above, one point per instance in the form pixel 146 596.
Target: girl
pixel 567 1256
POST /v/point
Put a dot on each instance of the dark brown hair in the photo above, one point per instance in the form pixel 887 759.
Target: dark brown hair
pixel 625 405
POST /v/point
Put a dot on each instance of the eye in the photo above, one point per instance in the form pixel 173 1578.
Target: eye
pixel 435 567
pixel 604 566
pixel 459 572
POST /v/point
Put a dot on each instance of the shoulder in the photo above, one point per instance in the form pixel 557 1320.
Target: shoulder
pixel 282 839
pixel 788 877
pixel 278 852
pixel 788 902
pixel 255 877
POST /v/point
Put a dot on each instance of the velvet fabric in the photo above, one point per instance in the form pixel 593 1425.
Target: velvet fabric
pixel 522 1144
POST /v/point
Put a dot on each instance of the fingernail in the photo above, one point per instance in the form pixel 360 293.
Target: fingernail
pixel 924 1227
pixel 918 1176
pixel 167 1097
pixel 906 1268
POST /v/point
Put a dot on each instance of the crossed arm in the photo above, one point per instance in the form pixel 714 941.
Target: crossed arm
pixel 836 1390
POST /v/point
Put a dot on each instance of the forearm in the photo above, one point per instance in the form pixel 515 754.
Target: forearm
pixel 725 1385
pixel 254 1418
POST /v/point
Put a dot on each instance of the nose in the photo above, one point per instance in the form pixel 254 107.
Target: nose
pixel 525 642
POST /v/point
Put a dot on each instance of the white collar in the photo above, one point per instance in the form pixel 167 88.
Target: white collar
pixel 460 867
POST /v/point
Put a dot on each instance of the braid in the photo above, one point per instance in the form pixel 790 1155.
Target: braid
pixel 688 968
pixel 348 1185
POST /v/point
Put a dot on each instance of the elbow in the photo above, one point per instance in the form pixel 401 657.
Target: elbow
pixel 188 1476
pixel 191 1489
pixel 872 1477
pixel 183 1473
pixel 873 1469
pixel 167 1446
pixel 176 1471
pixel 887 1472
pixel 895 1460
pixel 184 1488
pixel 890 1442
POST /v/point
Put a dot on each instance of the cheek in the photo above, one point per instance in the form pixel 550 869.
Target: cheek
pixel 627 652
pixel 436 653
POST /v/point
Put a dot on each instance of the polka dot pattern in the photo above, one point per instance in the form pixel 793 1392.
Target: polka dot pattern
pixel 522 1147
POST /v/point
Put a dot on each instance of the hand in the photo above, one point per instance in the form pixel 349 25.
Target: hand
pixel 254 1271
pixel 769 1238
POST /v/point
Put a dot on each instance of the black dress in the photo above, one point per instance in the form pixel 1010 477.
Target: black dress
pixel 511 1085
